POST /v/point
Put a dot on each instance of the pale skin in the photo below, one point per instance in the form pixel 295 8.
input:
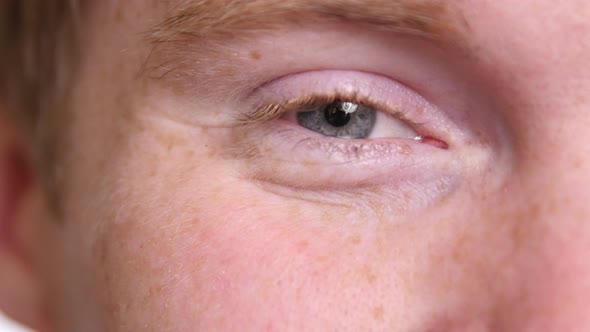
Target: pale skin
pixel 175 216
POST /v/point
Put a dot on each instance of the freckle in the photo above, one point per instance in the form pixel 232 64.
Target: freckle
pixel 178 92
pixel 368 274
pixel 355 239
pixel 127 116
pixel 294 212
pixel 255 55
pixel 521 230
pixel 482 138
pixel 302 246
pixel 190 154
pixel 405 149
pixel 378 313
pixel 457 253
pixel 228 72
pixel 275 168
pixel 119 15
pixel 327 217
pixel 152 172
pixel 102 166
pixel 322 258
pixel 407 196
pixel 308 164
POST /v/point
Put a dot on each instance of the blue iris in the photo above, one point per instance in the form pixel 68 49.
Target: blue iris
pixel 341 119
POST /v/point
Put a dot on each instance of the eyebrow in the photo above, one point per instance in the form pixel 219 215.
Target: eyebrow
pixel 192 32
pixel 200 19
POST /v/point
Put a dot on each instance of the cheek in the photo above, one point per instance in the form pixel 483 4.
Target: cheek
pixel 241 257
pixel 221 264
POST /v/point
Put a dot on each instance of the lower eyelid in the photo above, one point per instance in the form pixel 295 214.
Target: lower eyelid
pixel 286 154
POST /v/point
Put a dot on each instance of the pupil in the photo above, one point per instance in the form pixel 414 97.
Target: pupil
pixel 336 115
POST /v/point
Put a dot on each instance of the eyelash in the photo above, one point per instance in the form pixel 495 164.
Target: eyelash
pixel 273 111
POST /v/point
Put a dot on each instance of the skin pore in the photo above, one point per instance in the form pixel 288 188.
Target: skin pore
pixel 178 215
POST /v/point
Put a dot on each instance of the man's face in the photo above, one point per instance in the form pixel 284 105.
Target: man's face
pixel 325 165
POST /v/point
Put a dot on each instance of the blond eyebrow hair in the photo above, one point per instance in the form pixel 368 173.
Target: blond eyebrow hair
pixel 233 18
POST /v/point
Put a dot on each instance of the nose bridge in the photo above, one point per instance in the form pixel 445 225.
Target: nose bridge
pixel 550 289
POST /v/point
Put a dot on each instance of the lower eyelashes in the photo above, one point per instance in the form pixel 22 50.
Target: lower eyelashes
pixel 284 153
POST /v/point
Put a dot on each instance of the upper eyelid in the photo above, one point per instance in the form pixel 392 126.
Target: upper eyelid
pixel 378 91
pixel 271 108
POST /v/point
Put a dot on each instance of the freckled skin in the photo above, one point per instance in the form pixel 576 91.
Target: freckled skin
pixel 255 55
pixel 378 313
pixel 168 234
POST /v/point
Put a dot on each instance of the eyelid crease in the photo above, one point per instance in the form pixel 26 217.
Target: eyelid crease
pixel 273 111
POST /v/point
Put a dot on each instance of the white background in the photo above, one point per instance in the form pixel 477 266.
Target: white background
pixel 6 326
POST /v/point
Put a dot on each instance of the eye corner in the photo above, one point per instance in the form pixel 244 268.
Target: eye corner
pixel 435 142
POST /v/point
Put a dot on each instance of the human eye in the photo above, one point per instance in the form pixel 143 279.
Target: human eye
pixel 340 130
pixel 348 118
pixel 351 117
pixel 339 118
